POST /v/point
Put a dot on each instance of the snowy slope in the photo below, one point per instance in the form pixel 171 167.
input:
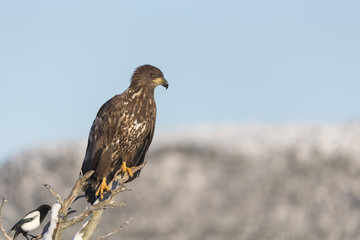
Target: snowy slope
pixel 216 182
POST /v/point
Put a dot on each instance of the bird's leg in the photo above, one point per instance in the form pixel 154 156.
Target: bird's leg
pixel 103 186
pixel 33 237
pixel 25 234
pixel 124 168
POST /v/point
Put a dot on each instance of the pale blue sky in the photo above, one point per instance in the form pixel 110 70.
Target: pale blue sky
pixel 268 61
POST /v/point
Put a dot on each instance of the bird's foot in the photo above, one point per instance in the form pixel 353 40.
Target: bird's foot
pixel 126 169
pixel 34 237
pixel 103 187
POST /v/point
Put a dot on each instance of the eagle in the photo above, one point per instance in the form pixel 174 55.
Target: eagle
pixel 122 132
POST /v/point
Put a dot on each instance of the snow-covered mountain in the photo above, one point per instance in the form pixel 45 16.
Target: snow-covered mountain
pixel 215 182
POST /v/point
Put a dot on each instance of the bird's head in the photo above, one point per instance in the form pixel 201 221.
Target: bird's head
pixel 44 208
pixel 147 75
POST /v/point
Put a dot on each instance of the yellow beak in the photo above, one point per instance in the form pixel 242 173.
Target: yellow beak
pixel 162 82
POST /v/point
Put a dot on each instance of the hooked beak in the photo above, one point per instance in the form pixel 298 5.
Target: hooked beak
pixel 162 82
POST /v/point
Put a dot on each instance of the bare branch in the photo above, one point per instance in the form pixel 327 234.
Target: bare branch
pixel 1 223
pixel 87 230
pixel 95 211
pixel 52 191
pixel 60 227
pixel 75 192
pixel 116 230
pixel 79 218
pixel 78 185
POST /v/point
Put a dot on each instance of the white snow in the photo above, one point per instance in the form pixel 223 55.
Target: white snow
pixel 54 219
pixel 247 139
pixel 78 235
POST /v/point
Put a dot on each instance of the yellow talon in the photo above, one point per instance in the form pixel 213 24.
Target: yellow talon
pixel 103 186
pixel 124 169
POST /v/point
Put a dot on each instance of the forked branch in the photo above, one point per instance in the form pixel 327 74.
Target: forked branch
pixel 1 223
pixel 94 212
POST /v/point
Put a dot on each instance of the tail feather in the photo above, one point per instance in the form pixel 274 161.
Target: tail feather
pixel 16 232
pixel 90 194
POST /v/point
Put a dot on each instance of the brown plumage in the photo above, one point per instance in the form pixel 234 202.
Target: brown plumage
pixel 122 131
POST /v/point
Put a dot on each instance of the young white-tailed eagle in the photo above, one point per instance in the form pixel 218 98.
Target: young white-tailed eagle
pixel 122 132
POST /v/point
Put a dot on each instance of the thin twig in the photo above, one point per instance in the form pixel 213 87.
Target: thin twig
pixel 52 191
pixel 79 217
pixel 88 229
pixel 1 223
pixel 96 215
pixel 116 230
pixel 76 189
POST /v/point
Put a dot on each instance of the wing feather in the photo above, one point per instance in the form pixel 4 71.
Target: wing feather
pixel 27 218
pixel 101 134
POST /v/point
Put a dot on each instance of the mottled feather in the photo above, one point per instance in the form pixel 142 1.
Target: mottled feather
pixel 122 130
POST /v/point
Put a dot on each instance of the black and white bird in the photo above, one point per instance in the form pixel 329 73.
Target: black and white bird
pixel 30 221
